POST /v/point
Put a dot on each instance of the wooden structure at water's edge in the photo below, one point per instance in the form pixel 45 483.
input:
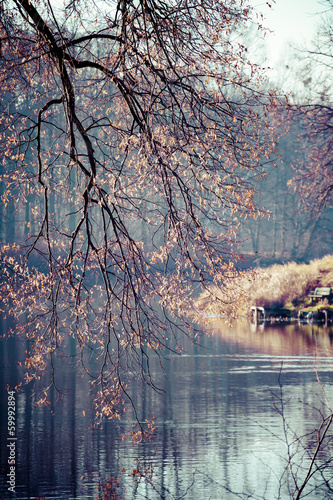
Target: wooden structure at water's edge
pixel 277 315
pixel 262 314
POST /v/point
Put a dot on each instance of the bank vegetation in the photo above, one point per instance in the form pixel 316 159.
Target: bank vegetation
pixel 278 286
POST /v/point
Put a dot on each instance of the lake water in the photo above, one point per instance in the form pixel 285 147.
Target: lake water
pixel 219 435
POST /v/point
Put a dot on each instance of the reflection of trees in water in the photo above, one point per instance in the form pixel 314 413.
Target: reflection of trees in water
pixel 291 339
pixel 232 470
pixel 308 459
pixel 217 430
pixel 299 461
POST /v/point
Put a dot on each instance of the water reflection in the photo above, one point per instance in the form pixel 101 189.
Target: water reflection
pixel 289 339
pixel 218 433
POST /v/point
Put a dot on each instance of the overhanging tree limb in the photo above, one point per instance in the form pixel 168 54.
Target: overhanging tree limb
pixel 149 164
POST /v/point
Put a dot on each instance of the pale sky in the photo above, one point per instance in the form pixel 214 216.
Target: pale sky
pixel 292 21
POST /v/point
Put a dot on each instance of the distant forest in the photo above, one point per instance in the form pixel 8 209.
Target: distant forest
pixel 295 230
pixel 290 231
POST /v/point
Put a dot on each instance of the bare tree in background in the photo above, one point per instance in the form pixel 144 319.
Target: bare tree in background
pixel 314 175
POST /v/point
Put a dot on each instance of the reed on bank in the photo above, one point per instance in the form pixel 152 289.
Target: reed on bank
pixel 279 286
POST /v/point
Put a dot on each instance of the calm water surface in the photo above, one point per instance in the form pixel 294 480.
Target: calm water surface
pixel 219 436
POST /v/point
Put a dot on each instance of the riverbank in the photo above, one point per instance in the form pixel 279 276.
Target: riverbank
pixel 285 286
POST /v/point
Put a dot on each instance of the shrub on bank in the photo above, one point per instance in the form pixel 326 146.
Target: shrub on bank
pixel 277 286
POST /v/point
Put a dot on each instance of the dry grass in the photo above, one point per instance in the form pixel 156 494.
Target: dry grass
pixel 277 286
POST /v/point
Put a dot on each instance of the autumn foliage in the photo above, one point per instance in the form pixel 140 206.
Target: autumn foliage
pixel 132 135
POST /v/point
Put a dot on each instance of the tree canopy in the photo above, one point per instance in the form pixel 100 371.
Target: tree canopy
pixel 134 132
pixel 314 179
